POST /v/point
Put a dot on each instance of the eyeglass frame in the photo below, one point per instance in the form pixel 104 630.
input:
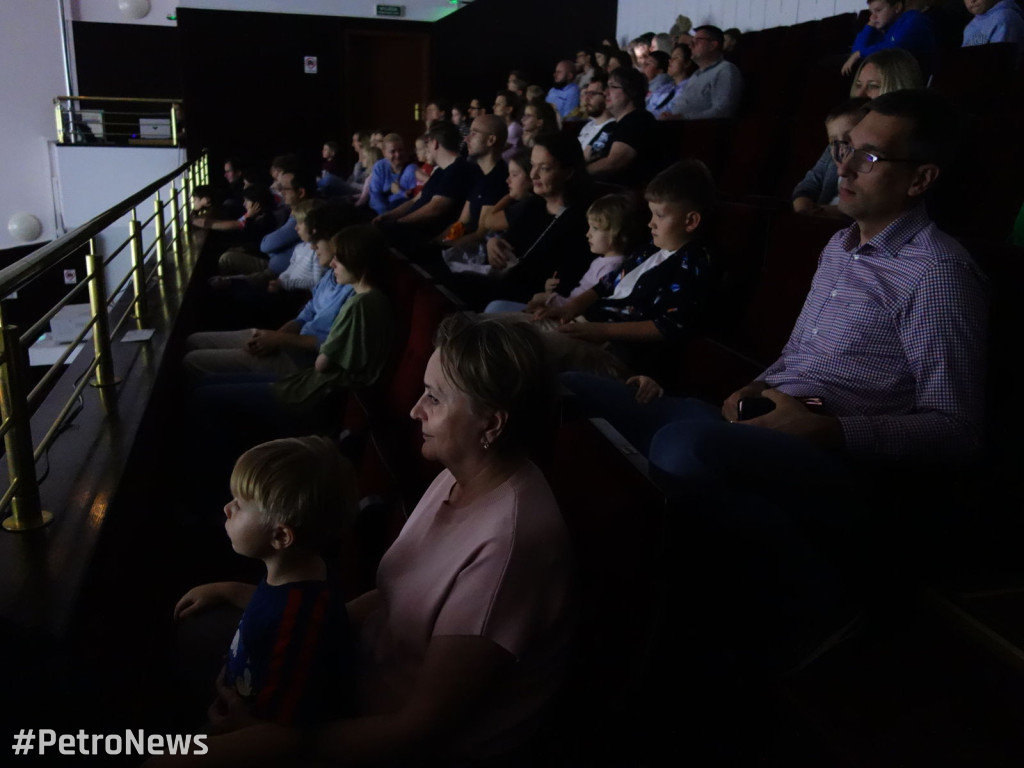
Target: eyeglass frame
pixel 834 148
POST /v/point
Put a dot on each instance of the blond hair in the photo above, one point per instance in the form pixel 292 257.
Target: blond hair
pixel 301 482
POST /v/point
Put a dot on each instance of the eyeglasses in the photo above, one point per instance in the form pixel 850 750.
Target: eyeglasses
pixel 857 159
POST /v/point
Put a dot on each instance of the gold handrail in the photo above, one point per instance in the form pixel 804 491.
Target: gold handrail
pixel 17 399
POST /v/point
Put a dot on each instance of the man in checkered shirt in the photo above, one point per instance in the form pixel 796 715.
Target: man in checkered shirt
pixel 891 338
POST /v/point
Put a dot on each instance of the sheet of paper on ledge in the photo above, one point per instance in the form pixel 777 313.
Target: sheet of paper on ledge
pixel 144 334
pixel 47 351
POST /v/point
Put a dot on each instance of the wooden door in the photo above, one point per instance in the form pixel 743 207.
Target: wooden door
pixel 388 81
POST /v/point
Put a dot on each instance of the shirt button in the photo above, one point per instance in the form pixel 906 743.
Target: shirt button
pixel 856 257
pixel 834 294
pixel 814 331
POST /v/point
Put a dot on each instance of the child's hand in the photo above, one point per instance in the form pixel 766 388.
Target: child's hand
pixel 229 711
pixel 551 283
pixel 647 389
pixel 538 302
pixel 499 252
pixel 197 600
pixel 395 189
pixel 263 343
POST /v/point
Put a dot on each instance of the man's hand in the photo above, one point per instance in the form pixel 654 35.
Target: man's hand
pixel 499 253
pixel 592 332
pixel 263 343
pixel 730 408
pixel 848 65
pixel 647 389
pixel 551 283
pixel 537 303
pixel 794 418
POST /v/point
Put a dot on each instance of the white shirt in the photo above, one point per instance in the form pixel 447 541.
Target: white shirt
pixel 626 284
pixel 591 129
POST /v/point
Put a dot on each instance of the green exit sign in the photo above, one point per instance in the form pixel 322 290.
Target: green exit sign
pixel 391 10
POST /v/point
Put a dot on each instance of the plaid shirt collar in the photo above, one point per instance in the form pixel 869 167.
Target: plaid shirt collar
pixel 890 240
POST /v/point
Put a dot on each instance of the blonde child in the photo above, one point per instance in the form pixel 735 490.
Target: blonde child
pixel 289 659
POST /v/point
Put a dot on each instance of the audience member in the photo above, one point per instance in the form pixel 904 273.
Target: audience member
pixel 437 110
pixel 995 21
pixel 610 237
pixel 509 107
pixel 294 345
pixel 331 162
pixel 680 67
pixel 662 42
pixel 547 234
pixel 818 193
pixel 618 58
pixel 442 198
pixel 731 39
pixel 476 109
pixel 486 139
pixel 392 177
pixel 631 153
pixel 890 70
pixel 659 83
pixel 289 660
pixel 584 68
pixel 234 173
pixel 564 95
pixel 248 231
pixel 891 339
pixel 520 188
pixel 518 82
pixel 595 136
pixel 714 90
pixel 665 293
pixel 891 25
pixel 539 119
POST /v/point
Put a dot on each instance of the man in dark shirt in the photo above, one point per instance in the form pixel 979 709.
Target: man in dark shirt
pixel 630 157
pixel 486 140
pixel 443 196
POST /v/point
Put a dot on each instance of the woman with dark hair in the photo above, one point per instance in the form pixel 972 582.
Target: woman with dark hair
pixel 547 235
pixel 508 105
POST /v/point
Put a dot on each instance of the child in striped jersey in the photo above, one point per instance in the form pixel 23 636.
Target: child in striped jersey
pixel 289 660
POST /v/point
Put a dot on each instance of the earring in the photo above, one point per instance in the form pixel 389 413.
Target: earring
pixel 485 443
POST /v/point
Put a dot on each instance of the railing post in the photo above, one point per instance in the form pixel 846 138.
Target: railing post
pixel 206 168
pixel 101 340
pixel 175 227
pixel 174 125
pixel 26 509
pixel 60 120
pixel 158 224
pixel 138 267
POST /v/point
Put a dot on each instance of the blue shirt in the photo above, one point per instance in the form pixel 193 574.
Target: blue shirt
pixel 1002 23
pixel 318 315
pixel 279 244
pixel 382 177
pixel 911 31
pixel 565 98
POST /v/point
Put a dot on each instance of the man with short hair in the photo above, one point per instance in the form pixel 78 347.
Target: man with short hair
pixel 714 90
pixel 484 145
pixel 443 196
pixel 564 95
pixel 392 177
pixel 276 247
pixel 890 344
pixel 436 110
pixel 891 24
pixel 659 83
pixel 518 82
pixel 595 138
pixel 584 68
pixel 631 151
pixel 234 173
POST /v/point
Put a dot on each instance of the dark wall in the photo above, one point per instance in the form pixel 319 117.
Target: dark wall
pixel 127 60
pixel 245 89
pixel 477 47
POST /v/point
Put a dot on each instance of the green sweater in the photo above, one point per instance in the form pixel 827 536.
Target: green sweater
pixel 357 347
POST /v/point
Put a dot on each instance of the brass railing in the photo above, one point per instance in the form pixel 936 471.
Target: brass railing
pixel 149 262
pixel 119 121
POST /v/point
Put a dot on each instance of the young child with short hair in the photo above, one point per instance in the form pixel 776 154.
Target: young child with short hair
pixel 424 170
pixel 660 294
pixel 611 236
pixel 818 192
pixel 290 659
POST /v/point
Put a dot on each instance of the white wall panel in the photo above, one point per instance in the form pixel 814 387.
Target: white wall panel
pixel 639 16
pixel 107 10
pixel 33 73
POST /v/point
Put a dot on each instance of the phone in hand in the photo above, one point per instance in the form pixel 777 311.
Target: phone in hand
pixel 752 407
